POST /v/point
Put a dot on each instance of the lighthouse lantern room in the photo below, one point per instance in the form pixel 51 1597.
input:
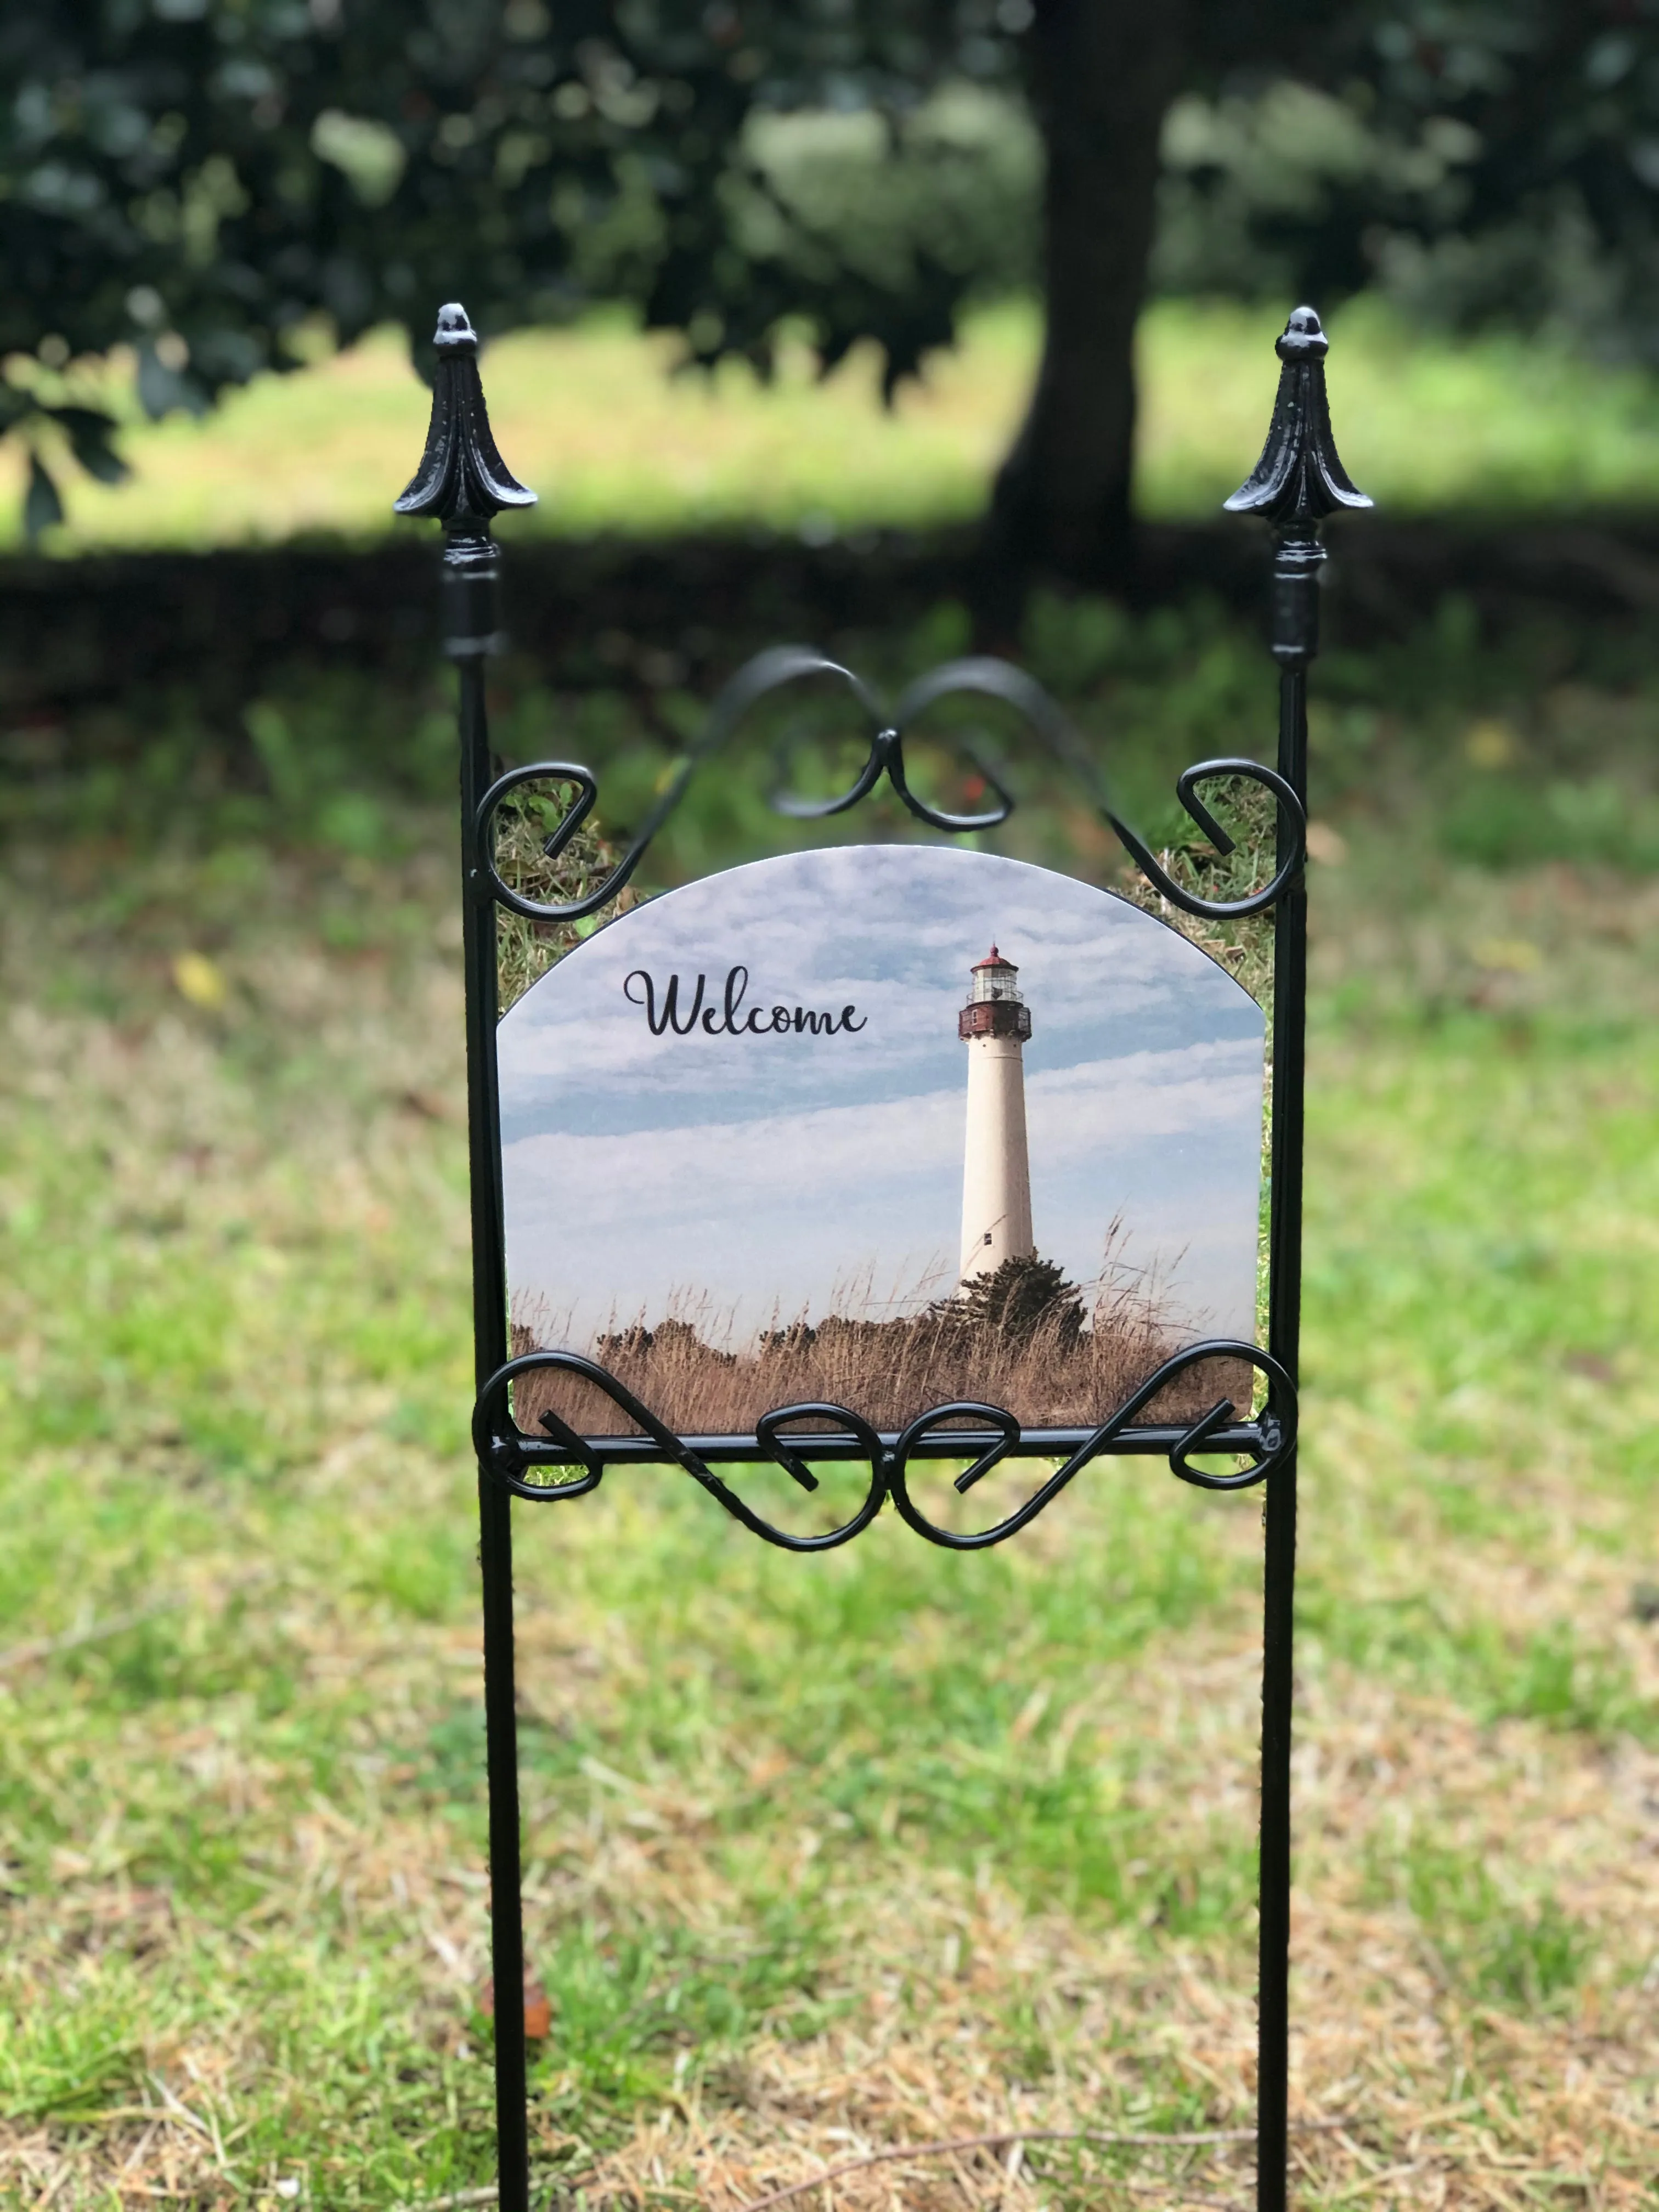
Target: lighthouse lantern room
pixel 996 1181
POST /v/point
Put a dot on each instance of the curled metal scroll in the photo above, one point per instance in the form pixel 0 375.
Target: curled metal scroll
pixel 508 1451
pixel 886 754
pixel 587 792
pixel 1275 1434
pixel 975 676
pixel 1293 822
pixel 1048 721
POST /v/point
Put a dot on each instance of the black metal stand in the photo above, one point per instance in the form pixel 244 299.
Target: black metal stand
pixel 1297 482
pixel 463 482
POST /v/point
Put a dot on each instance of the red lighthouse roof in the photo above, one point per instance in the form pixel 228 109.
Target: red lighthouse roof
pixel 993 959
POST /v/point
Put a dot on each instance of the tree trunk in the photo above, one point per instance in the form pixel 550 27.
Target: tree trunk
pixel 1102 74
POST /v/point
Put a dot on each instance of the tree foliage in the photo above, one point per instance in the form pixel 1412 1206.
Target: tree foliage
pixel 1482 160
pixel 202 180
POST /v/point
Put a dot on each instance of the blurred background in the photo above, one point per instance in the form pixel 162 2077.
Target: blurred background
pixel 901 331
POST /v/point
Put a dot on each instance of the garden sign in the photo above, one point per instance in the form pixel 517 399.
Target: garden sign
pixel 906 1173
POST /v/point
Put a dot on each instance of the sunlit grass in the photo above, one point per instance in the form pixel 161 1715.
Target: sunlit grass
pixel 594 421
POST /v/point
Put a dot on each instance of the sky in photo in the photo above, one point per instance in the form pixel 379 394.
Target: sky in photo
pixel 757 1176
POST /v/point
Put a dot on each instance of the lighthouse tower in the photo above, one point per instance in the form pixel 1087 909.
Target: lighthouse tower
pixel 996 1179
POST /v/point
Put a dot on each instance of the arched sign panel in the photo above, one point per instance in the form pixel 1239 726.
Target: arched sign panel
pixel 884 1126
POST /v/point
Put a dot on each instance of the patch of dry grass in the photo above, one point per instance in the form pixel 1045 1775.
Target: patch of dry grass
pixel 959 2008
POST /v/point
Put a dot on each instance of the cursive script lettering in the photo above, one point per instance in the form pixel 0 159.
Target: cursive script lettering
pixel 669 1018
pixel 664 1010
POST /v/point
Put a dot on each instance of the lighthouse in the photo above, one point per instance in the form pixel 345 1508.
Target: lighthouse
pixel 996 1176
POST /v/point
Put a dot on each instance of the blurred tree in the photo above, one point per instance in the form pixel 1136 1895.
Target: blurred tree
pixel 202 180
pixel 1485 160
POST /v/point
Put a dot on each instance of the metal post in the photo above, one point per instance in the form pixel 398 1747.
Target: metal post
pixel 1297 481
pixel 494 1505
pixel 1279 1512
pixel 463 481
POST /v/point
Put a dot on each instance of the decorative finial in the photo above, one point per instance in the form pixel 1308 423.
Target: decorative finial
pixel 462 478
pixel 1299 479
pixel 454 327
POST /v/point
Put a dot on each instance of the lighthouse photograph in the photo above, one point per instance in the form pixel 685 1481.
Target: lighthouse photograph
pixel 880 1126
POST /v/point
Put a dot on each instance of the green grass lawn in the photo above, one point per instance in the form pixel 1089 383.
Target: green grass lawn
pixel 591 418
pixel 884 1846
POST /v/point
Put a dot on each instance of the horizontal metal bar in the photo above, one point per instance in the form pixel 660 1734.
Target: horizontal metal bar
pixel 937 1443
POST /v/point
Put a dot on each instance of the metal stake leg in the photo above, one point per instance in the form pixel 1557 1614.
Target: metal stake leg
pixel 1297 483
pixel 494 1505
pixel 1279 1567
pixel 463 482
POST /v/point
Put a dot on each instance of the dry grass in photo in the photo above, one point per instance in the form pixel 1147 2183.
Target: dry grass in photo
pixel 1023 1339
